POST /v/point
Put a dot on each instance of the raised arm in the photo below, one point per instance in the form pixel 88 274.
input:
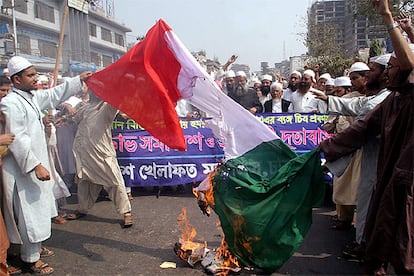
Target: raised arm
pixel 402 50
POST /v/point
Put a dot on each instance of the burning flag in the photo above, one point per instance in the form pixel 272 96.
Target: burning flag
pixel 264 193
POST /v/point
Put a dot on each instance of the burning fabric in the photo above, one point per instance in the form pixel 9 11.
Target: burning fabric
pixel 265 208
pixel 218 261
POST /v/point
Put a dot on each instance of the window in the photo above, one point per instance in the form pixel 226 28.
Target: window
pixel 47 49
pixel 106 60
pixel 23 43
pixel 119 40
pixel 44 12
pixel 95 58
pixel 106 34
pixel 92 29
pixel 21 6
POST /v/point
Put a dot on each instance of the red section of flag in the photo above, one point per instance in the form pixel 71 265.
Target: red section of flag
pixel 143 84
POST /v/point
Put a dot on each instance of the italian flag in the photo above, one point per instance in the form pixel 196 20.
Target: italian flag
pixel 264 192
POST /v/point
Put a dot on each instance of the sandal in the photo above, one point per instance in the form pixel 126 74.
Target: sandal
pixel 38 268
pixel 128 220
pixel 59 220
pixel 12 270
pixel 75 215
pixel 44 252
pixel 130 197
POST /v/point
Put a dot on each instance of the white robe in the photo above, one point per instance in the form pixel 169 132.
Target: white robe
pixel 29 149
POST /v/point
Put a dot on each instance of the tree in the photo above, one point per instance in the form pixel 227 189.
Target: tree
pixel 335 65
pixel 375 49
pixel 324 49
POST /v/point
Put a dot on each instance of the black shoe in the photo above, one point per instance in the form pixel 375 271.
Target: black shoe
pixel 355 253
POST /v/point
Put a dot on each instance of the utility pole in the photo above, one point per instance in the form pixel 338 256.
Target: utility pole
pixel 14 28
pixel 60 45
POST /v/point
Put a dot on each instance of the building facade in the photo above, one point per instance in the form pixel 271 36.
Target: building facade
pixel 91 39
pixel 353 31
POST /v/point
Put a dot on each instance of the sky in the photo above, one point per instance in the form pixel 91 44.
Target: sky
pixel 254 30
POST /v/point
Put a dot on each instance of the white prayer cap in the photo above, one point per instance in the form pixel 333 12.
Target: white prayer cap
pixel 5 70
pixel 43 78
pixel 296 73
pixel 257 81
pixel 276 84
pixel 267 77
pixel 325 76
pixel 310 73
pixel 241 74
pixel 17 64
pixel 230 74
pixel 358 67
pixel 342 81
pixel 330 81
pixel 382 60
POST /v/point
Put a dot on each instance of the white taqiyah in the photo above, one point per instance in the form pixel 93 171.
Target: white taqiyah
pixel 17 64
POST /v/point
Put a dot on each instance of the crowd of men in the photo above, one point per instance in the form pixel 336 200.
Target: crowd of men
pixel 44 134
pixel 370 152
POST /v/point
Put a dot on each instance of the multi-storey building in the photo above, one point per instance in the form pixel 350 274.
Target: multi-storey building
pixel 353 31
pixel 91 38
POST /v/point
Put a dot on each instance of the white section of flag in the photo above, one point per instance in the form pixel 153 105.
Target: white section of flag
pixel 237 128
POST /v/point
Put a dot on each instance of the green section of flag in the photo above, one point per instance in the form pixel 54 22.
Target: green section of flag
pixel 264 200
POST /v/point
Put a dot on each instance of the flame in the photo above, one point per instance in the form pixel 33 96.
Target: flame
pixel 209 194
pixel 205 195
pixel 246 241
pixel 187 249
pixel 226 260
pixel 188 232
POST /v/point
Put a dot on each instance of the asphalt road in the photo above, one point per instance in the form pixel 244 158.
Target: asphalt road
pixel 97 245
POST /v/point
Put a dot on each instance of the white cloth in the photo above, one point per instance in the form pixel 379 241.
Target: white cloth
pixel 357 106
pixel 287 94
pixel 276 106
pixel 304 102
pixel 29 149
pixel 183 107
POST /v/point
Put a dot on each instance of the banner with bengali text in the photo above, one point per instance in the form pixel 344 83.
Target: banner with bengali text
pixel 145 161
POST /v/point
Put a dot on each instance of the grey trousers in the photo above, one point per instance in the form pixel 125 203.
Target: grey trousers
pixel 88 193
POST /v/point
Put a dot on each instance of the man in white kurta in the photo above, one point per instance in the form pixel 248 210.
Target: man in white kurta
pixel 29 203
pixel 96 163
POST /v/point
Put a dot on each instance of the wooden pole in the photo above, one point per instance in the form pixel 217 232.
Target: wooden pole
pixel 60 45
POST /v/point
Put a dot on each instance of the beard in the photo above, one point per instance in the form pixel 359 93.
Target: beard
pixel 292 86
pixel 241 90
pixel 230 87
pixel 265 90
pixel 303 87
pixel 372 85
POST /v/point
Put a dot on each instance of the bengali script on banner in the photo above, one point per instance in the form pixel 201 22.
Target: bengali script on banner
pixel 145 161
